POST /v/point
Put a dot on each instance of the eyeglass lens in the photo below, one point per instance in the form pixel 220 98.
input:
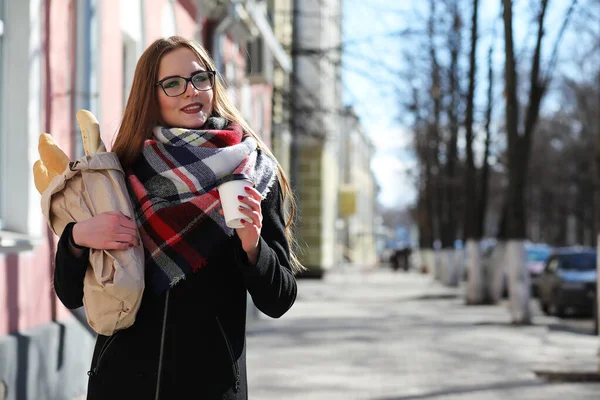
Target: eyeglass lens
pixel 177 86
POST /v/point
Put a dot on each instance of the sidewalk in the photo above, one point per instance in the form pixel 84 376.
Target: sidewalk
pixel 379 335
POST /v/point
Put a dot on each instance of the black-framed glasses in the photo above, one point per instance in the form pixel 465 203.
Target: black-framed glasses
pixel 174 86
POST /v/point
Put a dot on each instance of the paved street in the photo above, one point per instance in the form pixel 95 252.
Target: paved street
pixel 379 335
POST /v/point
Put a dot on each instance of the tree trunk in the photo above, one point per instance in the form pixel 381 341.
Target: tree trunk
pixel 425 221
pixel 597 204
pixel 485 168
pixel 498 260
pixel 435 91
pixel 518 157
pixel 449 230
pixel 519 284
pixel 475 285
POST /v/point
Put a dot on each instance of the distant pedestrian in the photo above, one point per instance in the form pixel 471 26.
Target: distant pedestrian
pixel 179 132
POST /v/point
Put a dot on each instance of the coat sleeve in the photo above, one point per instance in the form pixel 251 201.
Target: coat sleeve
pixel 69 271
pixel 271 282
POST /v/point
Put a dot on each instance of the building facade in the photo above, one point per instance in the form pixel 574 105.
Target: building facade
pixel 316 103
pixel 55 58
pixel 281 13
pixel 357 212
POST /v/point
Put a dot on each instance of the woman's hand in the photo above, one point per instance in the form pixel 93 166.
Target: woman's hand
pixel 250 234
pixel 111 230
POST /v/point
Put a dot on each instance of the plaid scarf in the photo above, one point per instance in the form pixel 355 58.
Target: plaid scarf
pixel 173 187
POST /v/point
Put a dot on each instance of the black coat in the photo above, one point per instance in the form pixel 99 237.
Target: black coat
pixel 204 343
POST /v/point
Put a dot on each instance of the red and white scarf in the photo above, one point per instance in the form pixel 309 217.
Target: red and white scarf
pixel 177 207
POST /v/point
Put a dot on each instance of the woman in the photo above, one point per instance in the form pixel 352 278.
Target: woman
pixel 188 340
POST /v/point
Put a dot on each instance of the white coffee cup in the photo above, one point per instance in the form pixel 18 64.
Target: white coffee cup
pixel 229 192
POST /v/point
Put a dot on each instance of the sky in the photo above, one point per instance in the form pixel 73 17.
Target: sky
pixel 372 94
pixel 373 59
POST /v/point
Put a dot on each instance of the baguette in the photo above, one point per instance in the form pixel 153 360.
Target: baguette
pixel 90 131
pixel 42 176
pixel 52 156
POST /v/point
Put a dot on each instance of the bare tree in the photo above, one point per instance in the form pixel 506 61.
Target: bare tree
pixel 519 144
pixel 475 286
pixel 482 197
pixel 449 182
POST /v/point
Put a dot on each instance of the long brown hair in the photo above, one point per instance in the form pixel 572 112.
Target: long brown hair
pixel 142 114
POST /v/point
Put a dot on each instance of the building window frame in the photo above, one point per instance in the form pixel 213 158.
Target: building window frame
pixel 2 99
pixel 22 223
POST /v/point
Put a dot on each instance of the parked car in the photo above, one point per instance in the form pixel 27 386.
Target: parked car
pixel 568 282
pixel 536 256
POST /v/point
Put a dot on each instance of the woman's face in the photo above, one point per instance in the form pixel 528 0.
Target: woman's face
pixel 192 108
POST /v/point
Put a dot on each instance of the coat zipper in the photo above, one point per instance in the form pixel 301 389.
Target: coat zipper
pixel 236 369
pixel 94 370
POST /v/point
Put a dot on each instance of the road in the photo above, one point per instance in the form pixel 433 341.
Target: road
pixel 372 334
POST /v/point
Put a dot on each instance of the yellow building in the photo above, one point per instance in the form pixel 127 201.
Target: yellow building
pixel 357 217
pixel 316 103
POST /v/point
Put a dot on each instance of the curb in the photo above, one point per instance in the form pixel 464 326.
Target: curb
pixel 568 376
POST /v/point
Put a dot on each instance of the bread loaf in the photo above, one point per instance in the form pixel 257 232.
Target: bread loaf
pixel 42 176
pixel 52 156
pixel 90 131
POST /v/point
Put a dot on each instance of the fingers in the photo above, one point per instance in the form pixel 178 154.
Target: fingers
pixel 121 241
pixel 126 231
pixel 117 246
pixel 122 220
pixel 254 193
pixel 111 230
pixel 128 224
pixel 253 216
pixel 252 209
pixel 251 202
pixel 127 238
pixel 117 214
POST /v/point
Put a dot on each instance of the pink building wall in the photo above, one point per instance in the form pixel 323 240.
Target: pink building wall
pixel 26 277
pixel 185 18
pixel 111 67
pixel 153 9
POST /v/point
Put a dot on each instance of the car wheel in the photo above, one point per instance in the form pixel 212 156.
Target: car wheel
pixel 555 308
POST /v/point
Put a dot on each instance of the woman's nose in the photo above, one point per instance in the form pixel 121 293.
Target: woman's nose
pixel 190 90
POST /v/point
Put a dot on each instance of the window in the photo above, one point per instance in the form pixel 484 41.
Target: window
pixel 23 74
pixel 578 261
pixel 231 82
pixel 254 66
pixel 258 120
pixel 128 66
pixel 168 21
pixel 132 35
